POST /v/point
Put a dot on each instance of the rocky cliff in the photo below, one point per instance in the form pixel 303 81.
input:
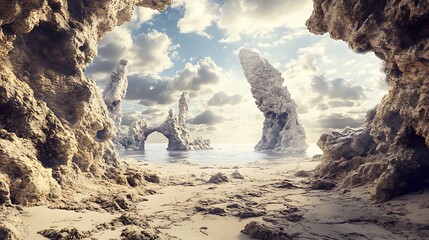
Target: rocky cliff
pixel 391 150
pixel 53 124
pixel 282 130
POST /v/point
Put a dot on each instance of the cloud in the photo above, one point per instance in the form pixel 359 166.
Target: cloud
pixel 255 17
pixel 128 117
pixel 286 38
pixel 337 104
pixel 221 98
pixel 338 121
pixel 149 90
pixel 198 16
pixel 338 88
pixel 307 64
pixel 101 66
pixel 150 53
pixel 143 15
pixel 153 111
pixel 152 90
pixel 193 77
pixel 239 18
pixel 207 117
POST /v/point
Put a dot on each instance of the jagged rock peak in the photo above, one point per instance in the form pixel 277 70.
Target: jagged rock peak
pixel 183 107
pixel 282 130
pixel 174 128
pixel 390 151
pixel 115 92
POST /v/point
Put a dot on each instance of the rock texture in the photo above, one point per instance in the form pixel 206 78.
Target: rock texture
pixel 174 128
pixel 391 150
pixel 282 130
pixel 51 117
pixel 115 92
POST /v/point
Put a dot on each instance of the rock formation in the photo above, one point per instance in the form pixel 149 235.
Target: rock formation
pixel 174 128
pixel 53 124
pixel 391 150
pixel 115 92
pixel 282 130
pixel 137 135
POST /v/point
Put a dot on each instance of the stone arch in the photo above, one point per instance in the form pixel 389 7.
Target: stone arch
pixel 177 136
pixel 173 144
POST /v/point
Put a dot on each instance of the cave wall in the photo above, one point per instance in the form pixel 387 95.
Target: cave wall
pixel 52 120
pixel 390 151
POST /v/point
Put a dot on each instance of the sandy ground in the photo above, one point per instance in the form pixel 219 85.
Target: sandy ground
pixel 270 198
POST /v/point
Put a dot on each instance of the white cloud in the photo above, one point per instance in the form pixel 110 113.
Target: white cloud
pixel 258 18
pixel 150 53
pixel 306 65
pixel 287 37
pixel 142 15
pixel 199 15
pixel 239 18
pixel 152 90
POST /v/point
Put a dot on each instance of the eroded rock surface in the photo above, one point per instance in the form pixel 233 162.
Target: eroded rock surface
pixel 391 149
pixel 174 128
pixel 282 130
pixel 52 120
pixel 115 92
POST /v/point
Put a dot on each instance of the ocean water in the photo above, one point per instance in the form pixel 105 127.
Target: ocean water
pixel 221 154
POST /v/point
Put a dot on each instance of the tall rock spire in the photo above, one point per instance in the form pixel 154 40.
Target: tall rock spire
pixel 282 130
pixel 115 92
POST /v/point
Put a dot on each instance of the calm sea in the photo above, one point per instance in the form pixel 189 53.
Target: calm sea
pixel 222 154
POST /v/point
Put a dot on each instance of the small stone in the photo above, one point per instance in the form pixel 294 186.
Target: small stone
pixel 237 175
pixel 260 231
pixel 138 234
pixel 218 178
pixel 153 178
pixel 217 211
pixel 233 205
pixel 322 184
pixel 302 173
pixel 249 213
pixel 285 184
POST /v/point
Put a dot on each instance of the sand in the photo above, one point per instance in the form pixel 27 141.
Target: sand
pixel 277 203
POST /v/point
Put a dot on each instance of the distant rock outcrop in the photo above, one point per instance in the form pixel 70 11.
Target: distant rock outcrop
pixel 115 92
pixel 390 151
pixel 282 130
pixel 174 128
pixel 54 125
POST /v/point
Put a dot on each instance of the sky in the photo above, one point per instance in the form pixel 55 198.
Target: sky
pixel 193 45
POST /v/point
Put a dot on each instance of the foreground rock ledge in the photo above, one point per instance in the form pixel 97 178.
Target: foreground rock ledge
pixel 53 124
pixel 391 150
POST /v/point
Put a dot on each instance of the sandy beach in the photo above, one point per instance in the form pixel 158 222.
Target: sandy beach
pixel 265 200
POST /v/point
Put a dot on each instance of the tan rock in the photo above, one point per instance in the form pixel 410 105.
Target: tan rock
pixel 52 119
pixel 394 155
